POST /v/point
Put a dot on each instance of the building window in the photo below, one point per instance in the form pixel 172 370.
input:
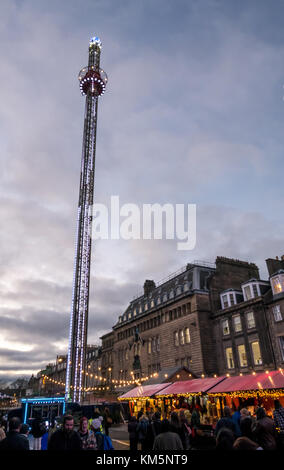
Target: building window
pixel 178 291
pixel 152 303
pixel 277 312
pixel 225 301
pixel 126 354
pixel 255 291
pixel 181 336
pixel 237 323
pixel 129 316
pixel 149 346
pixel 165 297
pixel 158 343
pixel 140 308
pixel 167 316
pixel 146 307
pixel 171 294
pixel 176 339
pixel 248 294
pixel 250 320
pixel 281 345
pixel 154 345
pixel 187 335
pixel 158 300
pixel 186 287
pixel 242 355
pixel 278 284
pixel 225 327
pixel 232 300
pixel 256 353
pixel 230 359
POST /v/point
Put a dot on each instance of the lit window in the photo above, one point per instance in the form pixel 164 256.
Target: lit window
pixel 277 312
pixel 140 308
pixel 242 355
pixel 230 359
pixel 225 327
pixel 277 284
pixel 181 336
pixel 237 323
pixel 250 320
pixel 256 353
pixel 146 306
pixel 187 335
pixel 129 316
pixel 149 346
pixel 152 303
pixel 176 338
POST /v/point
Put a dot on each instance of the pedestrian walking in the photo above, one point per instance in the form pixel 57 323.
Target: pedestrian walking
pixel 88 440
pixel 278 417
pixel 14 440
pixel 142 431
pixel 107 421
pixel 133 437
pixel 226 422
pixel 265 431
pixel 236 418
pixel 65 438
pixel 167 440
pixel 37 431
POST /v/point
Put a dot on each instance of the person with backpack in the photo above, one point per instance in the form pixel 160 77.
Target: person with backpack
pixel 142 431
pixel 103 441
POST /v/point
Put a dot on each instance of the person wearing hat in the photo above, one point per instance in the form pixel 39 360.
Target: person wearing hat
pixel 97 428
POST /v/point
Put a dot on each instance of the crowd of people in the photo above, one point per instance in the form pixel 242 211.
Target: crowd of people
pixel 92 434
pixel 237 430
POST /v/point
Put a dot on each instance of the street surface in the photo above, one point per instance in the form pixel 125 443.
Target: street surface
pixel 119 436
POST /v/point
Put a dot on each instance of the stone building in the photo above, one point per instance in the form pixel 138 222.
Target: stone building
pixel 212 319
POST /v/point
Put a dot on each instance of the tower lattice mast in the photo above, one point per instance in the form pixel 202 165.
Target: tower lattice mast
pixel 92 84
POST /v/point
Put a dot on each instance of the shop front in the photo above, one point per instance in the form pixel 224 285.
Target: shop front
pixel 144 398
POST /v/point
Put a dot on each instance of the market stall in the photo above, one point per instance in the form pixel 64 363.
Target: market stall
pixel 189 393
pixel 251 391
pixel 143 398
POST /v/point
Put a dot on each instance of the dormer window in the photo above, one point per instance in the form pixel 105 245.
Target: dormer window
pixel 171 294
pixel 254 288
pixel 178 291
pixel 152 303
pixel 230 297
pixel 165 297
pixel 158 300
pixel 277 282
pixel 129 316
pixel 120 319
pixel 146 306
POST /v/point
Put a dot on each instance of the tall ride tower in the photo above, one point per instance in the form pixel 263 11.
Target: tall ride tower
pixel 92 84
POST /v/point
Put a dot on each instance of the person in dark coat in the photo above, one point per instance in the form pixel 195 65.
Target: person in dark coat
pixel 14 440
pixel 226 422
pixel 65 438
pixel 246 427
pixel 167 440
pixel 175 426
pixel 107 422
pixel 38 430
pixel 154 428
pixel 265 432
pixel 133 437
pixel 225 439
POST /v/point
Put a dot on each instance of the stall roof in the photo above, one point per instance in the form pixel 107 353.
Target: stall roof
pixel 143 391
pixel 191 386
pixel 260 381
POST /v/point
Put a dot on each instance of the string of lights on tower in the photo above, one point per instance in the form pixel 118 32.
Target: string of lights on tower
pixel 92 81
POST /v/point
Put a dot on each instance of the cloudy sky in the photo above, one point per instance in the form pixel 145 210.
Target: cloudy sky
pixel 193 113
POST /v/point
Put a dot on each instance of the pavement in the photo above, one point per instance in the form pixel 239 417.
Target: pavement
pixel 119 436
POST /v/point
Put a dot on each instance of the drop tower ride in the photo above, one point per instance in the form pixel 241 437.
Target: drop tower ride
pixel 92 85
